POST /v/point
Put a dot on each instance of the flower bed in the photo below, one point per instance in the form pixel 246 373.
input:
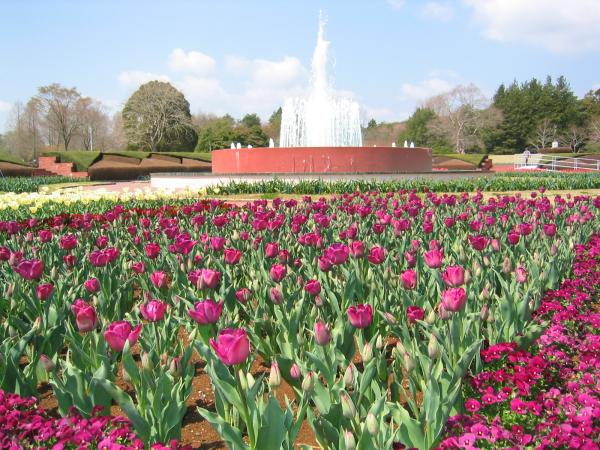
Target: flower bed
pixel 547 396
pixel 357 316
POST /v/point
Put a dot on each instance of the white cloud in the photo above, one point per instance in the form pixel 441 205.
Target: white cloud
pixel 133 78
pixel 396 4
pixel 191 62
pixel 557 25
pixel 418 92
pixel 438 11
pixel 5 106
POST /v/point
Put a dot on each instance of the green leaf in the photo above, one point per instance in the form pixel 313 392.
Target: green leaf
pixel 230 434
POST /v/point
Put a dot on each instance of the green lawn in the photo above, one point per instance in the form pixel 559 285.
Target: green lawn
pixel 6 157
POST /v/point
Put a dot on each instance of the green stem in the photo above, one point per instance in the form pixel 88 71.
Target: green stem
pixel 246 412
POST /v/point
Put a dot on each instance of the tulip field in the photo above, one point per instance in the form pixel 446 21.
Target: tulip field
pixel 365 320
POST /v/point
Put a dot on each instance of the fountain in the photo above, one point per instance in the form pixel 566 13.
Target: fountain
pixel 321 134
pixel 320 119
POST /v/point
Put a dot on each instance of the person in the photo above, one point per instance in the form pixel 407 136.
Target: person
pixel 527 154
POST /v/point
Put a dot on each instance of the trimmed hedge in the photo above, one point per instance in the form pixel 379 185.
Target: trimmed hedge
pixel 8 158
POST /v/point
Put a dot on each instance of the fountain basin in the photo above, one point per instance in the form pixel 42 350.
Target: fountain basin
pixel 321 160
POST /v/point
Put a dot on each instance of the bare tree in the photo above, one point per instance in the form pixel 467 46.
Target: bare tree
pixel 544 134
pixel 577 137
pixel 60 107
pixel 595 129
pixel 461 115
pixel 94 130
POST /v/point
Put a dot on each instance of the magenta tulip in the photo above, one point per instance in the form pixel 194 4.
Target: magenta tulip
pixel 271 249
pixel 325 264
pixel 153 311
pixel 521 274
pixel 313 287
pixel 360 316
pixel 30 269
pixel 117 333
pixel 68 242
pixel 205 278
pixel 43 291
pixel 217 243
pixel 414 313
pixel 376 255
pixel 85 316
pixel 549 229
pixel 92 285
pixel 276 296
pixel 152 250
pixel 454 276
pixel 322 333
pixel 159 279
pixel 454 299
pixel 478 242
pixel 243 295
pixel 409 279
pixel 232 256
pixel 434 258
pixel 337 253
pixel 513 238
pixel 138 267
pixel 357 249
pixel 277 272
pixel 231 346
pixel 206 312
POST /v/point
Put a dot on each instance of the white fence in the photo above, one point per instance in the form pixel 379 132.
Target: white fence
pixel 540 161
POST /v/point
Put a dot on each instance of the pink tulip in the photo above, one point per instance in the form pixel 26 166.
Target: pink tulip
pixel 92 285
pixel 513 238
pixel 217 243
pixel 232 256
pixel 30 269
pixel 521 274
pixel 43 291
pixel 152 250
pixel 409 279
pixel 117 333
pixel 153 311
pixel 206 312
pixel 411 259
pixel 495 245
pixel 277 272
pixel 313 287
pixel 376 255
pixel 276 296
pixel 138 267
pixel 159 279
pixel 357 249
pixel 454 276
pixel 231 346
pixel 243 295
pixel 454 299
pixel 325 264
pixel 70 260
pixel 360 316
pixel 45 235
pixel 322 333
pixel 271 249
pixel 478 242
pixel 85 316
pixel 205 278
pixel 434 258
pixel 549 229
pixel 337 253
pixel 414 313
pixel 101 241
pixel 525 229
pixel 295 371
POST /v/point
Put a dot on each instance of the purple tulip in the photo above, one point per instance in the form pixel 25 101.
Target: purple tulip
pixel 43 291
pixel 159 279
pixel 152 250
pixel 337 253
pixel 313 287
pixel 85 316
pixel 232 256
pixel 434 258
pixel 206 312
pixel 478 242
pixel 153 311
pixel 231 346
pixel 243 295
pixel 271 249
pixel 454 299
pixel 92 285
pixel 277 272
pixel 357 249
pixel 68 242
pixel 414 313
pixel 117 333
pixel 409 279
pixel 376 255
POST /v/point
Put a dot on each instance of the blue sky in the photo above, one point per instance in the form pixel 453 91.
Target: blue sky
pixel 248 56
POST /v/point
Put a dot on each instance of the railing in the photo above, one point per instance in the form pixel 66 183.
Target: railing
pixel 539 161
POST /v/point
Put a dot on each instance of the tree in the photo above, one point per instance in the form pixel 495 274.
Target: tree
pixel 251 121
pixel 273 127
pixel 418 129
pixel 158 116
pixel 461 116
pixel 544 134
pixel 61 109
pixel 372 123
pixel 94 131
pixel 577 137
pixel 217 133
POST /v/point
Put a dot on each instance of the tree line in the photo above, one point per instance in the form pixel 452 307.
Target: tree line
pixel 157 117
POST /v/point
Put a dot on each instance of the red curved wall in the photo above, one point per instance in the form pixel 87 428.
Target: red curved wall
pixel 322 160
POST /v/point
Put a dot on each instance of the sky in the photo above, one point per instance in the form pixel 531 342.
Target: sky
pixel 241 56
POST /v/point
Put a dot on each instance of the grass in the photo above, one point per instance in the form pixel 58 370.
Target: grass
pixel 58 186
pixel 7 157
pixel 473 158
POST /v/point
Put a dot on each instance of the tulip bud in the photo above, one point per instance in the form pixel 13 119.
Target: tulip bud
pixel 274 376
pixel 37 324
pixel 146 363
pixel 11 331
pixel 506 265
pixel 295 372
pixel 468 276
pixel 389 318
pixel 379 344
pixel 175 369
pixel 318 301
pixel 386 275
pixel 400 348
pixel 409 364
pixel 348 408
pixel 164 358
pixel 476 269
pixel 367 352
pixel 46 363
pixel 235 236
pixel 553 250
pixel 462 257
pixel 349 442
pixel 308 384
pixel 490 317
pixel 433 348
pixel 190 264
pixel 250 380
pixel 10 289
pixel 486 261
pixel 243 380
pixel 53 273
pixel 372 424
pixel 430 318
pixel 485 311
pixel 349 377
pixel 543 276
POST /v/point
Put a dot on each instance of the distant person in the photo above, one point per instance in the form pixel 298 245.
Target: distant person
pixel 526 154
